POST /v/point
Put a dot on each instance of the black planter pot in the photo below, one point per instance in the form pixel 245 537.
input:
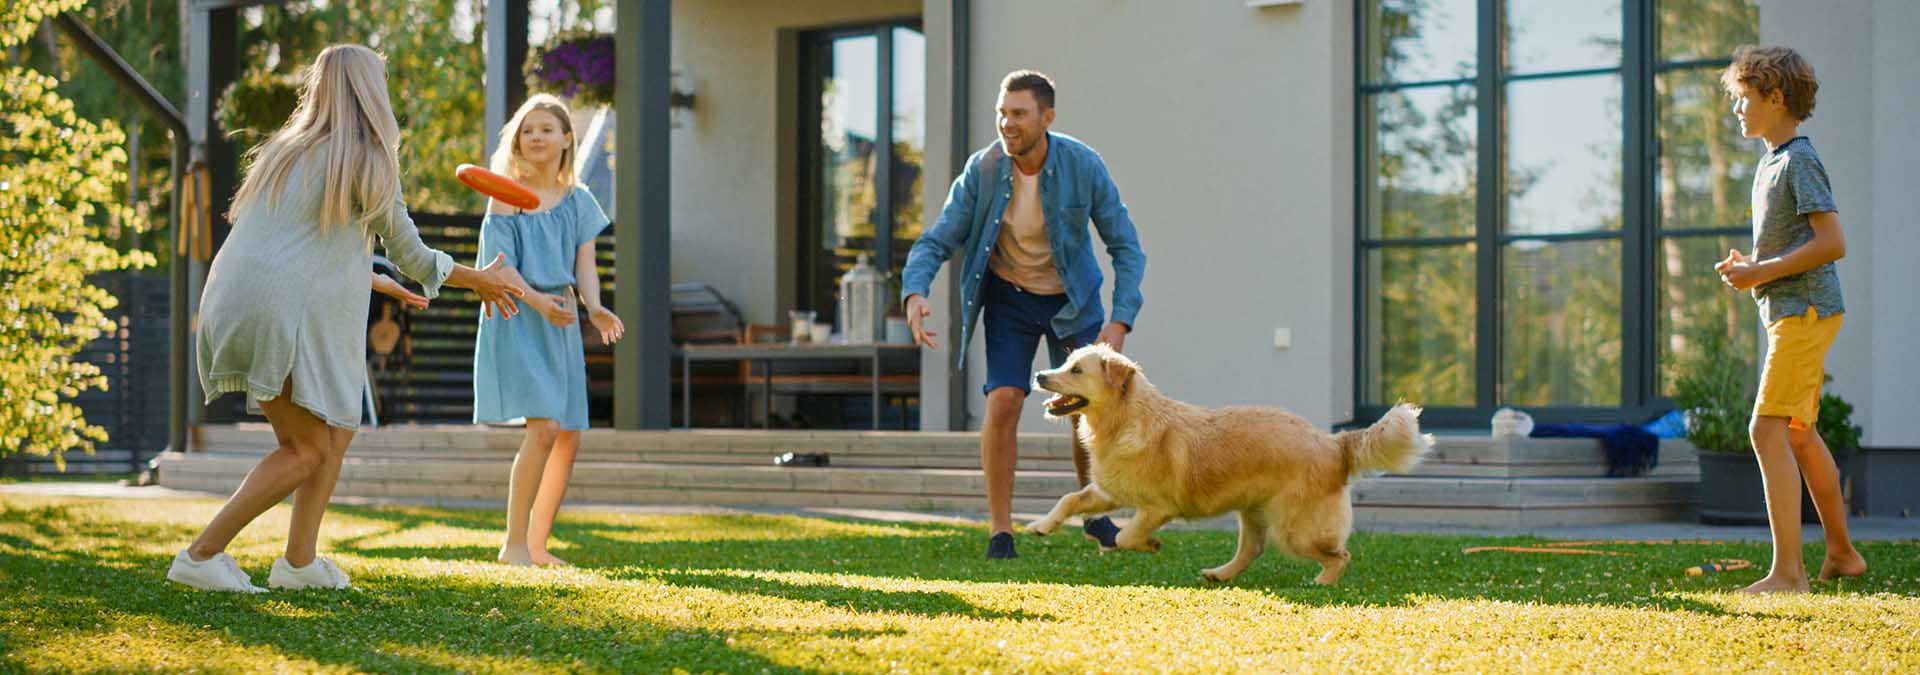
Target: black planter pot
pixel 1732 493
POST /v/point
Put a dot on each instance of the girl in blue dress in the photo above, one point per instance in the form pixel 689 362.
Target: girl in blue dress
pixel 535 370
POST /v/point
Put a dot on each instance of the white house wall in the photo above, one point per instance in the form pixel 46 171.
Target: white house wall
pixel 1869 69
pixel 1229 132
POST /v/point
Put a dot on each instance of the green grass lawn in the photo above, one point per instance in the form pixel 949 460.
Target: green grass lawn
pixel 82 588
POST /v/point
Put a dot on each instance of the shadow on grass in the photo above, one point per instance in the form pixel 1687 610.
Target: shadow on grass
pixel 398 624
pixel 1388 569
pixel 933 604
pixel 68 568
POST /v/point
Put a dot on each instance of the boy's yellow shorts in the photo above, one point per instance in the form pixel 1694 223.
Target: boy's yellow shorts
pixel 1796 367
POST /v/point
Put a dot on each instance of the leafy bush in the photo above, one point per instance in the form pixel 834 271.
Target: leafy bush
pixel 1715 389
pixel 1836 425
pixel 60 182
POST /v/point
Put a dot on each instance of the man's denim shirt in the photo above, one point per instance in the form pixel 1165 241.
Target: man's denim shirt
pixel 1074 185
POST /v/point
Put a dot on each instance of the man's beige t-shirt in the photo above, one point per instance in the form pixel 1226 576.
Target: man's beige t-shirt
pixel 1021 254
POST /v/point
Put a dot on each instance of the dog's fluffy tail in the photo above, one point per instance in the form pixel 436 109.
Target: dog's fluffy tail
pixel 1393 444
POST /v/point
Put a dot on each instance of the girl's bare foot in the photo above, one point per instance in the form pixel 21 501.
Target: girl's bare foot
pixel 1846 564
pixel 545 558
pixel 514 556
pixel 1777 584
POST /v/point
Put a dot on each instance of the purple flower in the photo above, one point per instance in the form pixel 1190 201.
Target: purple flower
pixel 580 66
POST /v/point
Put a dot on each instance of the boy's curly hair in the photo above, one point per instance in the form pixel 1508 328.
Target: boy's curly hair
pixel 1758 69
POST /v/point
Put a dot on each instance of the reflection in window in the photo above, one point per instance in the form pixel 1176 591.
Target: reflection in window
pixel 1702 177
pixel 1692 300
pixel 1422 163
pixel 1552 35
pixel 1560 333
pixel 843 214
pixel 1563 155
pixel 1561 218
pixel 1421 307
pixel 846 147
pixel 909 139
pixel 1705 168
pixel 1705 29
pixel 1415 40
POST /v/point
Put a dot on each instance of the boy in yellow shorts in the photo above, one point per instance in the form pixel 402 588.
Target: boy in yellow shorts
pixel 1796 239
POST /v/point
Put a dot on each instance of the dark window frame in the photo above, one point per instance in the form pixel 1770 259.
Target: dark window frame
pixel 813 70
pixel 1640 233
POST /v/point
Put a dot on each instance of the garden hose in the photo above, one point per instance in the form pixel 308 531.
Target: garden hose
pixel 1580 548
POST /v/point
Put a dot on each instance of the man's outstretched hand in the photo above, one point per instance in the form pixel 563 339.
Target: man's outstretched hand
pixel 917 311
pixel 1114 335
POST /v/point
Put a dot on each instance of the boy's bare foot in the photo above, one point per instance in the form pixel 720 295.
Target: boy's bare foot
pixel 545 558
pixel 514 556
pixel 1776 584
pixel 1848 564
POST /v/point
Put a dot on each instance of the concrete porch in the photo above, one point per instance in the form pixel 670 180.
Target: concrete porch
pixel 1469 481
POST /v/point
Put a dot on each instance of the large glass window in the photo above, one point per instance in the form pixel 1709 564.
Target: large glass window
pixel 863 138
pixel 1544 186
pixel 1702 178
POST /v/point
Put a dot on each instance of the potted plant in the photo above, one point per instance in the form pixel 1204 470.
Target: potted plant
pixel 1715 390
pixel 575 66
pixel 1842 437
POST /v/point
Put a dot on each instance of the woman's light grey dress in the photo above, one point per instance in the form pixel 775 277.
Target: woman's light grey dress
pixel 285 298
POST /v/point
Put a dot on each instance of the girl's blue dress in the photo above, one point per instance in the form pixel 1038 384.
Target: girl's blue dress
pixel 526 367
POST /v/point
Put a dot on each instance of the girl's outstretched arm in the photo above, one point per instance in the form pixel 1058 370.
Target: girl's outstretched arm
pixel 586 281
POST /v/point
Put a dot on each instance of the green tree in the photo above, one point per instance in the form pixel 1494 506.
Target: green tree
pixel 435 73
pixel 146 33
pixel 59 176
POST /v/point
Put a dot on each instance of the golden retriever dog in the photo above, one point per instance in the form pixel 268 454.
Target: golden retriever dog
pixel 1286 479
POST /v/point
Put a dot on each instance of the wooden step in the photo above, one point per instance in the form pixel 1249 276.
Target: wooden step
pixel 479 476
pixel 1385 492
pixel 1455 456
pixel 868 449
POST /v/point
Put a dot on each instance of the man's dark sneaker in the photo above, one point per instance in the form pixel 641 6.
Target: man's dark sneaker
pixel 1102 531
pixel 1001 546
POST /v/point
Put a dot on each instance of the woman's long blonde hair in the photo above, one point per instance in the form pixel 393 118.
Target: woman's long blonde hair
pixel 345 116
pixel 507 159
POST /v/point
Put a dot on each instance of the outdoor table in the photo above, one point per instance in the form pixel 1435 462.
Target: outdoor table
pixel 768 354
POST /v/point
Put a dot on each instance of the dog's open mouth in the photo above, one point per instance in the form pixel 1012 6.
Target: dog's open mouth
pixel 1064 404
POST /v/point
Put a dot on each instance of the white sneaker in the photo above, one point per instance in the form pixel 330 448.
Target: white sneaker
pixel 218 573
pixel 321 573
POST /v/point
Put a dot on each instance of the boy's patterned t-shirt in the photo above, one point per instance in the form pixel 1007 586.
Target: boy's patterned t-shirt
pixel 1789 184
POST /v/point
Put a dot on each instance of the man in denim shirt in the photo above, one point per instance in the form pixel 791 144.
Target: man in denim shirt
pixel 1029 267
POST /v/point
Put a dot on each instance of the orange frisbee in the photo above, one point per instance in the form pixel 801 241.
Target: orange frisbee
pixel 494 185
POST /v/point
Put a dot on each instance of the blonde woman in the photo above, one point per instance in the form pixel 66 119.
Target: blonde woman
pixel 528 369
pixel 283 317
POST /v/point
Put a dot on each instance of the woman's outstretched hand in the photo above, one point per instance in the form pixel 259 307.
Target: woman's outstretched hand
pixel 387 286
pixel 498 284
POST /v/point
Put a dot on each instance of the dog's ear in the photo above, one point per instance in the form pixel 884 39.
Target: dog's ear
pixel 1119 371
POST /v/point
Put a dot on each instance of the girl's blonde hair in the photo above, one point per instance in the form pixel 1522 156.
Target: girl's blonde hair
pixel 345 116
pixel 507 159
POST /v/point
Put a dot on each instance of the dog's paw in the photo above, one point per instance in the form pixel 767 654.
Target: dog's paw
pixel 1151 545
pixel 1215 576
pixel 1041 528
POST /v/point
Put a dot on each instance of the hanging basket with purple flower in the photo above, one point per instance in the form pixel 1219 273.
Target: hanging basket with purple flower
pixel 576 66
